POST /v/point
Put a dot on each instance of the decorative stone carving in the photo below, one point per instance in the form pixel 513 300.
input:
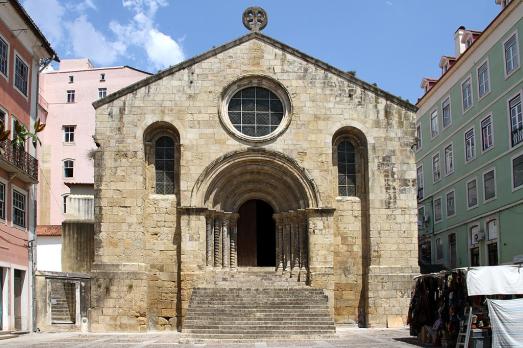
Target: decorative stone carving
pixel 255 19
pixel 217 241
pixel 209 229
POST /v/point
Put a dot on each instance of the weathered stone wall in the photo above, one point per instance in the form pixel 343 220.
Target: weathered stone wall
pixel 77 245
pixel 349 302
pixel 144 233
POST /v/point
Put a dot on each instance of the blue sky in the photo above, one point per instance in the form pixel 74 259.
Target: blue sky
pixel 394 43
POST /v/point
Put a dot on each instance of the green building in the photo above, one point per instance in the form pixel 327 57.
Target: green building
pixel 469 149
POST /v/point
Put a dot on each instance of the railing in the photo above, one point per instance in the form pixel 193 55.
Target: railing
pixel 79 207
pixel 420 193
pixel 19 158
pixel 517 136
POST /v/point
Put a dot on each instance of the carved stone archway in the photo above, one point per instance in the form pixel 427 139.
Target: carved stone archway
pixel 273 177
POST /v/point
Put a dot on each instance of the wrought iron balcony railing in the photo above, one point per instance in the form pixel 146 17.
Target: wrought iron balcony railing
pixel 19 158
pixel 517 136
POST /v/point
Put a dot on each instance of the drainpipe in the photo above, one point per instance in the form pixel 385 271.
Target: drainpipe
pixel 43 63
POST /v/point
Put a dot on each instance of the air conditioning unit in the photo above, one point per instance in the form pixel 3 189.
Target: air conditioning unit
pixel 478 237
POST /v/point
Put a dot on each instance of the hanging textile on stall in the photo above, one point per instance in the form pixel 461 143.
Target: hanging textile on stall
pixel 506 318
pixel 495 280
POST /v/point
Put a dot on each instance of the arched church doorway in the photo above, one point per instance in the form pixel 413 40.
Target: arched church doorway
pixel 256 235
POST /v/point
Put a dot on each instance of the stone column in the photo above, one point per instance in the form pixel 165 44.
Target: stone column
pixel 277 242
pixel 209 229
pixel 234 239
pixel 217 240
pixel 287 242
pixel 302 236
pixel 226 241
pixel 295 225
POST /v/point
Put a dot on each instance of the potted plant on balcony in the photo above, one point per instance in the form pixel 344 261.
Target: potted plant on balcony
pixel 4 134
pixel 22 134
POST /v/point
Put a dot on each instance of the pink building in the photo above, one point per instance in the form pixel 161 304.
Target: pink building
pixel 23 51
pixel 66 164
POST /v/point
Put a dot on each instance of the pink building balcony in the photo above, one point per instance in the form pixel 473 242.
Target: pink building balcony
pixel 18 161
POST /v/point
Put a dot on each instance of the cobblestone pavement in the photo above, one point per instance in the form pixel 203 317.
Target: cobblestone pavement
pixel 345 337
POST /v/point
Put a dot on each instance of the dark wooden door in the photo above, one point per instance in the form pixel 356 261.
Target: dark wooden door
pixel 247 256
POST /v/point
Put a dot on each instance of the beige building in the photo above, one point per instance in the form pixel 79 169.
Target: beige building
pixel 252 155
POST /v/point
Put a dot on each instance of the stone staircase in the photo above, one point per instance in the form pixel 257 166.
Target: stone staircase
pixel 256 304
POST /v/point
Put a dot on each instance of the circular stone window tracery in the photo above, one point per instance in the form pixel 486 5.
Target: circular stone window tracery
pixel 255 109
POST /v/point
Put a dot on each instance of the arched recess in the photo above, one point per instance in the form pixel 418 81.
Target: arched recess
pixel 257 174
pixel 154 136
pixel 359 142
pixel 357 139
pixel 237 177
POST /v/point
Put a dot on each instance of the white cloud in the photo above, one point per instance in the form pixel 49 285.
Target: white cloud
pixel 162 50
pixel 82 6
pixel 88 42
pixel 48 15
pixel 68 27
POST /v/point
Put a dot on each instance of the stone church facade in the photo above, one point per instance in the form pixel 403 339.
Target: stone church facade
pixel 251 155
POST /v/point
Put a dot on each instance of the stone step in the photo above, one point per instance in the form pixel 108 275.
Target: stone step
pixel 259 321
pixel 243 313
pixel 272 302
pixel 265 327
pixel 242 337
pixel 247 291
pixel 261 331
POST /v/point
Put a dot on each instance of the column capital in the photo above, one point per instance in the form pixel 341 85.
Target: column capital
pixel 227 217
pixel 233 218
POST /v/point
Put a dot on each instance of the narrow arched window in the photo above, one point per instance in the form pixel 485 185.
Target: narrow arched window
pixel 346 169
pixel 164 165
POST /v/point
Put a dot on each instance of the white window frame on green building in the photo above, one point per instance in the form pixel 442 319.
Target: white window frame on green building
pixel 485 172
pixel 512 174
pixel 434 124
pixel 438 213
pixel 446 112
pixel 467 189
pixel 515 63
pixel 419 170
pixel 472 145
pixel 472 245
pixel 439 250
pixel 518 116
pixel 487 133
pixel 436 167
pixel 453 192
pixel 483 79
pixel 467 99
pixel 419 137
pixel 490 240
pixel 449 159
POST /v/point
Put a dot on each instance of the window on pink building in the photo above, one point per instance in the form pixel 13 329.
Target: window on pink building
pixel 68 168
pixel 69 134
pixel 2 201
pixel 21 75
pixel 70 96
pixel 4 48
pixel 18 208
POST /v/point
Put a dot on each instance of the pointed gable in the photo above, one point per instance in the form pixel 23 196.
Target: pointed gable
pixel 268 41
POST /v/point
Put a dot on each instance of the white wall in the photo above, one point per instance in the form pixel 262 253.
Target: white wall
pixel 49 253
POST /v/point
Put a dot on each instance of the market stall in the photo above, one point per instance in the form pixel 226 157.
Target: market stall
pixel 442 303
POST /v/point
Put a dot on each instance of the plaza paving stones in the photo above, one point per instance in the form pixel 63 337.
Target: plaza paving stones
pixel 345 337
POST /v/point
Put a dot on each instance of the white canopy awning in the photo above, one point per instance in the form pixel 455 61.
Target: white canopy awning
pixel 495 280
